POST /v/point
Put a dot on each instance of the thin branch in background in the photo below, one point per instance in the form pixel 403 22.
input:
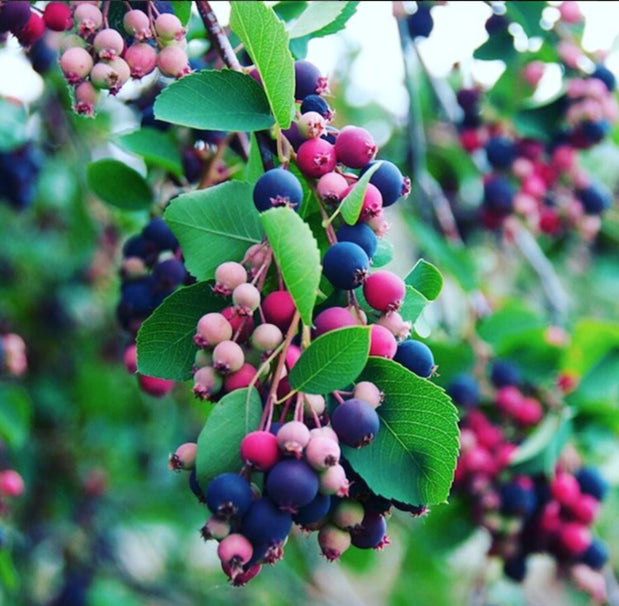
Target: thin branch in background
pixel 217 36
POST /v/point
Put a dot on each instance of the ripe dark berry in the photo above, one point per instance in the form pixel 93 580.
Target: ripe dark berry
pixel 314 511
pixel 517 499
pixel 332 318
pixel 345 265
pixel 372 534
pixel 499 195
pixel 464 390
pixel 594 200
pixel 277 187
pixel 355 422
pixel 308 80
pixel 316 103
pixel 606 76
pixel 416 356
pixel 265 524
pixel 279 309
pixel 592 483
pixel 501 152
pixel 596 555
pixel 361 234
pixel 292 484
pixel 516 568
pixel 390 181
pixel 316 158
pixel 355 147
pixel 158 232
pixel 504 373
pixel 34 29
pixel 228 495
pixel 169 274
pixel 14 15
pixel 496 24
pixel 384 291
pixel 260 450
pixel 420 23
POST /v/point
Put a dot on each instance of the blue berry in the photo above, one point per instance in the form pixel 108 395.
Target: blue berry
pixel 496 24
pixel 420 23
pixel 345 265
pixel 501 152
pixel 308 80
pixel 592 483
pixel 355 422
pixel 137 296
pixel 361 234
pixel 596 555
pixel 606 76
pixel 499 195
pixel 389 181
pixel 372 532
pixel 292 484
pixel 228 494
pixel 169 274
pixel 517 500
pixel 468 98
pixel 158 232
pixel 596 131
pixel 314 511
pixel 316 103
pixel 504 373
pixel 416 356
pixel 265 524
pixel 515 568
pixel 139 246
pixel 594 199
pixel 277 187
pixel 464 390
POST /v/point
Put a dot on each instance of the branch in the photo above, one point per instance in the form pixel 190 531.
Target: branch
pixel 217 36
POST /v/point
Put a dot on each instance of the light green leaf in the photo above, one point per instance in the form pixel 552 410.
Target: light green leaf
pixel 119 185
pixel 13 118
pixel 413 457
pixel 266 41
pixel 383 254
pixel 296 252
pixel 15 415
pixel 214 225
pixel 414 303
pixel 426 279
pixel 232 418
pixel 182 10
pixel 351 205
pixel 215 100
pixel 156 147
pixel 332 361
pixel 339 23
pixel 316 16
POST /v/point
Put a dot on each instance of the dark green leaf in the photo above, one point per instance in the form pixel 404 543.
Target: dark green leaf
pixel 216 100
pixel 499 46
pixel 289 9
pixel 541 122
pixel 332 361
pixel 296 252
pixel 15 414
pixel 182 10
pixel 13 118
pixel 165 341
pixel 266 41
pixel 232 418
pixel 351 205
pixel 528 14
pixel 413 457
pixel 119 185
pixel 156 147
pixel 214 225
pixel 315 17
pixel 425 278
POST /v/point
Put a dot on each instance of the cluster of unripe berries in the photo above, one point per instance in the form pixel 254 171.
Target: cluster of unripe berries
pixel 152 268
pixel 524 513
pixel 13 360
pixel 19 170
pixel 96 56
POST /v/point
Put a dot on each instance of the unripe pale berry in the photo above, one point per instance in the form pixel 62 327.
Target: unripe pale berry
pixel 293 437
pixel 88 18
pixel 172 61
pixel 334 481
pixel 123 70
pixel 312 125
pixel 141 58
pixel 215 528
pixel 260 450
pixel 76 64
pixel 108 43
pixel 325 431
pixel 316 157
pixel 355 147
pixel 369 392
pixel 333 541
pixel 228 276
pixel 266 337
pixel 322 452
pixel 384 291
pixel 246 297
pixel 255 256
pixel 314 404
pixel 184 457
pixel 331 187
pixel 169 27
pixel 103 76
pixel 86 96
pixel 213 328
pixel 228 357
pixel 207 382
pixel 234 551
pixel 348 515
pixel 137 24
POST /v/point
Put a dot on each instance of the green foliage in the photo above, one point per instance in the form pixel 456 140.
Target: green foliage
pixel 165 340
pixel 15 415
pixel 254 168
pixel 119 185
pixel 12 125
pixel 384 253
pixel 413 457
pixel 233 417
pixel 426 279
pixel 182 10
pixel 332 361
pixel 155 147
pixel 216 100
pixel 351 205
pixel 414 303
pixel 266 41
pixel 528 15
pixel 321 19
pixel 221 220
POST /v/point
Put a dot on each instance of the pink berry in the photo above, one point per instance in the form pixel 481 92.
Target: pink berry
pixel 184 457
pixel 246 297
pixel 382 342
pixel 394 322
pixel 378 224
pixel 15 360
pixel 333 541
pixel 240 379
pixel 316 157
pixel 508 399
pixel 255 256
pixel 384 291
pixel 333 481
pixel 355 147
pixel 565 489
pixel 325 431
pixel 312 125
pixel 108 43
pixel 123 70
pixel 364 390
pixel 130 358
pixel 314 404
pixel 155 386
pixel 234 551
pixel 322 452
pixel 228 357
pixel 260 450
pixel 575 537
pixel 76 64
pixel 11 483
pixel 169 27
pixel 172 61
pixel 206 382
pixel 212 329
pixel 570 11
pixel 279 309
pixel 137 24
pixel 585 509
pixel 57 17
pixel 88 18
pixel 292 356
pixel 228 276
pixel 348 515
pixel 331 187
pixel 86 96
pixel 103 76
pixel 332 318
pixel 215 528
pixel 293 437
pixel 530 412
pixel 266 337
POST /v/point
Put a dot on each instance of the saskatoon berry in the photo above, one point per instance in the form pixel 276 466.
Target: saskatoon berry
pixel 265 524
pixel 141 58
pixel 501 152
pixel 34 29
pixel 464 390
pixel 420 23
pixel 504 373
pixel 246 298
pixel 594 200
pixel 416 356
pixel 172 61
pixel 213 328
pixel 308 80
pixel 360 234
pixel 228 494
pixel 154 386
pixel 333 480
pixel 291 484
pixel 333 541
pixel 241 324
pixel 279 309
pixel 575 537
pixel 316 157
pixel 384 291
pixel 322 452
pixel 11 483
pixel 316 103
pixel 396 325
pixel 228 276
pixel 215 528
pixel 266 337
pixel 345 265
pixel 137 24
pixel 368 392
pixel 496 24
pixel 355 147
pixel 169 274
pixel 517 499
pixel 389 180
pixel 158 232
pixel 277 187
pixel 314 511
pixel 596 555
pixel 234 551
pixel 332 318
pixel 14 15
pixel 331 187
pixel 312 125
pixel 372 534
pixel 240 379
pixel 184 457
pixel 228 357
pixel 372 202
pixel 592 483
pixel 76 64
pixel 499 195
pixel 355 422
pixel 293 437
pixel 382 342
pixel 207 382
pixel 108 43
pixel 348 515
pixel 260 450
pixel 85 99
pixel 169 28
pixel 314 404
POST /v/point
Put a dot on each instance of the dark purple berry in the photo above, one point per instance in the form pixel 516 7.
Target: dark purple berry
pixel 228 495
pixel 372 534
pixel 355 422
pixel 517 499
pixel 515 568
pixel 265 524
pixel 14 15
pixel 169 274
pixel 292 484
pixel 308 80
pixel 594 199
pixel 501 152
pixel 345 265
pixel 158 232
pixel 361 234
pixel 504 373
pixel 496 24
pixel 499 195
pixel 314 511
pixel 316 103
pixel 464 390
pixel 277 187
pixel 416 356
pixel 420 23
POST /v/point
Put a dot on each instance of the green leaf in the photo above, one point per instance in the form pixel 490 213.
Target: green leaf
pixel 165 340
pixel 266 41
pixel 383 254
pixel 339 23
pixel 413 457
pixel 498 46
pixel 254 168
pixel 332 361
pixel 289 9
pixel 119 185
pixel 182 10
pixel 297 255
pixel 507 325
pixel 591 341
pixel 9 577
pixel 15 415
pixel 215 100
pixel 231 419
pixel 425 278
pixel 540 452
pixel 351 205
pixel 13 118
pixel 528 14
pixel 541 122
pixel 214 225
pixel 156 147
pixel 414 303
pixel 317 16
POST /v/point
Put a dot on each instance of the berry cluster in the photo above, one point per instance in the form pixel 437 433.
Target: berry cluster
pixel 525 513
pixel 152 268
pixel 19 169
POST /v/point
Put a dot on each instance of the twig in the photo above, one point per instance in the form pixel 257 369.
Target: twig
pixel 217 36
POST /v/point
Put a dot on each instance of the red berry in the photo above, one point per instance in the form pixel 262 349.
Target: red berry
pixel 234 551
pixel 565 489
pixel 279 309
pixel 141 58
pixel 372 201
pixel 316 158
pixel 585 508
pixel 260 450
pixel 575 537
pixel 355 147
pixel 57 16
pixel 241 325
pixel 332 318
pixel 155 386
pixel 240 379
pixel 32 31
pixel 130 358
pixel 384 291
